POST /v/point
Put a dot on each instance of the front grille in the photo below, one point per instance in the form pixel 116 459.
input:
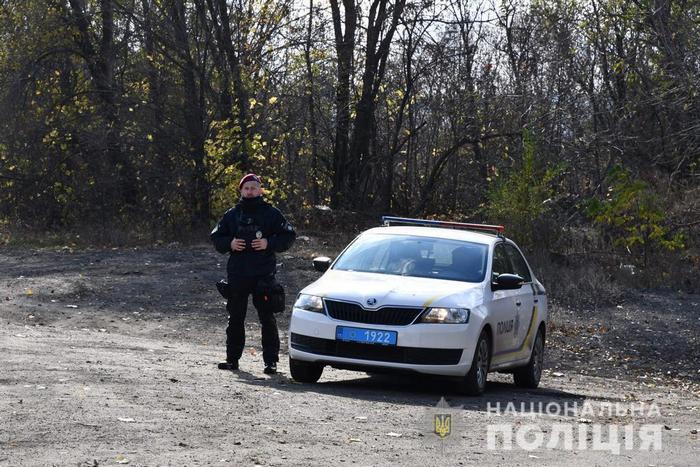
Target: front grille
pixel 387 315
pixel 376 353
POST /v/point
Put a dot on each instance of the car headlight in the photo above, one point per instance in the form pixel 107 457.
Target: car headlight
pixel 446 315
pixel 309 303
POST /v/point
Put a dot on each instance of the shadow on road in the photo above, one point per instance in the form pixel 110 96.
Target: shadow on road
pixel 419 391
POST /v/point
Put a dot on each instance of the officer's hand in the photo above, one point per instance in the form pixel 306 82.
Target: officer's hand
pixel 259 244
pixel 238 244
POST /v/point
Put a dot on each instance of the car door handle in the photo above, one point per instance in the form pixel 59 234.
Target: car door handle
pixel 518 303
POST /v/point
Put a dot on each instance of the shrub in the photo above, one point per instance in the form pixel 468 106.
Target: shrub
pixel 523 198
pixel 633 217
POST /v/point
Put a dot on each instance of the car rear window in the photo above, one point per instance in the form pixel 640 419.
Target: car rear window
pixel 415 256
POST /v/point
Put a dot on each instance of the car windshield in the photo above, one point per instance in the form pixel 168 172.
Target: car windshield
pixel 407 255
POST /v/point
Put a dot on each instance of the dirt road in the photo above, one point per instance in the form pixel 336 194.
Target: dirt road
pixel 107 357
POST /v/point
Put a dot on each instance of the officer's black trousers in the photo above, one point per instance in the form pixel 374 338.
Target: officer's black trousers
pixel 240 288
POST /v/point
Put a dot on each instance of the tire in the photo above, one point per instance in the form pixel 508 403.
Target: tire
pixel 474 382
pixel 305 372
pixel 528 376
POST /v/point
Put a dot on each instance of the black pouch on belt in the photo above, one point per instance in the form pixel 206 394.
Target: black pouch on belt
pixel 269 295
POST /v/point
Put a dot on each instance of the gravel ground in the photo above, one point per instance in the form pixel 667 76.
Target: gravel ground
pixel 107 357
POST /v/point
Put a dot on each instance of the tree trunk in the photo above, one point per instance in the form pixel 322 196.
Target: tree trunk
pixel 193 113
pixel 101 64
pixel 345 45
pixel 310 94
pixel 377 52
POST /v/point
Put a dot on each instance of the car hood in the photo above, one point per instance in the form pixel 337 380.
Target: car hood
pixel 373 290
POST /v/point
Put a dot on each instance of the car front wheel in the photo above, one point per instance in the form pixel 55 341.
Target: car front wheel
pixel 305 372
pixel 529 375
pixel 474 383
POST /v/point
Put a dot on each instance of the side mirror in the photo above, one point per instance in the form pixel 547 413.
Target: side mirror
pixel 507 282
pixel 322 263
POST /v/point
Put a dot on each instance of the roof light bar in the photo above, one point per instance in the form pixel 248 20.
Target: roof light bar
pixel 389 220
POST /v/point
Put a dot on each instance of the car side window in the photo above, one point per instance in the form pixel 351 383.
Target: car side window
pixel 501 264
pixel 518 262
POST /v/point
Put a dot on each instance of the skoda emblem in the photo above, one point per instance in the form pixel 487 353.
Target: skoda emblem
pixel 371 301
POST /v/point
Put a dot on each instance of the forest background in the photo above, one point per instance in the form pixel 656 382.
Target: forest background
pixel 574 123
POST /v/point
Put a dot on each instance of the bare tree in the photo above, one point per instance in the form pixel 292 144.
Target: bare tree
pixel 344 26
pixel 100 61
pixel 381 24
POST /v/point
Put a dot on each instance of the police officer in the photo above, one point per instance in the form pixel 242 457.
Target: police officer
pixel 251 233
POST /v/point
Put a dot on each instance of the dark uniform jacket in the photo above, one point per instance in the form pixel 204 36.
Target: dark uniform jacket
pixel 249 219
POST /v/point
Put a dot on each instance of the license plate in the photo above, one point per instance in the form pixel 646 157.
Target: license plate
pixel 365 336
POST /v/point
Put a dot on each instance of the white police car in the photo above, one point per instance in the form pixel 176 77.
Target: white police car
pixel 430 297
